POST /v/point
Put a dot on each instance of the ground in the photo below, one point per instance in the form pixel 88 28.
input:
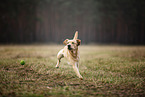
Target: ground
pixel 107 71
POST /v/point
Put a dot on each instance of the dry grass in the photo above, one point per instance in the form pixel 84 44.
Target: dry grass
pixel 107 71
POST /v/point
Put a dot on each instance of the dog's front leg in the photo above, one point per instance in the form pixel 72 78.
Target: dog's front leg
pixel 59 56
pixel 75 67
pixel 58 62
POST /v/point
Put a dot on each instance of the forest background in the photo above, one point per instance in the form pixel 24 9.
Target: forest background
pixel 52 21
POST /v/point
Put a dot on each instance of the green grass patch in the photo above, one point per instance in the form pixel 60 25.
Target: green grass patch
pixel 107 71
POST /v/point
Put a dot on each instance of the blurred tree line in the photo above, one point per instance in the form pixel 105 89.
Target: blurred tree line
pixel 98 21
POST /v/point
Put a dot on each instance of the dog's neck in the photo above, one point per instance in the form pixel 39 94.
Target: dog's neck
pixel 74 54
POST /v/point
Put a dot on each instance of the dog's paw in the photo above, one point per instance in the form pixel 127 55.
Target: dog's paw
pixel 81 78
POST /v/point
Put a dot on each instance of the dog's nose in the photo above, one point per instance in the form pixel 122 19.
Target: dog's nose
pixel 69 47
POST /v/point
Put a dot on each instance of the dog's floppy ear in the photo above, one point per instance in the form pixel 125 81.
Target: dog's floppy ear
pixel 78 42
pixel 65 41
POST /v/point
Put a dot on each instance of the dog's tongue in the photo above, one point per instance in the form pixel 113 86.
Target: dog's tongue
pixel 76 35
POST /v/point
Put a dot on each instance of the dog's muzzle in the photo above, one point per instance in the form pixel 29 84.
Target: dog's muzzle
pixel 69 47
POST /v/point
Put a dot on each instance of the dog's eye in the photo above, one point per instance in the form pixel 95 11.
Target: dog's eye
pixel 72 42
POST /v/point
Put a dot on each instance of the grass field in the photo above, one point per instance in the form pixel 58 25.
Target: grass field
pixel 107 71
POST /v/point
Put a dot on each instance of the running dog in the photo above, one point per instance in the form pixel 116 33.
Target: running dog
pixel 71 53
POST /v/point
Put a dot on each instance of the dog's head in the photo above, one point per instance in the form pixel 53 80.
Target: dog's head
pixel 74 43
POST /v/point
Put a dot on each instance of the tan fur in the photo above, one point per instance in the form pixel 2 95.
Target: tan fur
pixel 72 54
pixel 76 35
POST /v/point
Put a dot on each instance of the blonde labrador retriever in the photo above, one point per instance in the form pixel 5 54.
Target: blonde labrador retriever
pixel 71 53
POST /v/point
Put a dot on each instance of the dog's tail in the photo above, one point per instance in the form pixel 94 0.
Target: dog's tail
pixel 76 35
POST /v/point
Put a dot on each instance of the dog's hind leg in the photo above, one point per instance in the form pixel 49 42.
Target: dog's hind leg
pixel 59 56
pixel 75 67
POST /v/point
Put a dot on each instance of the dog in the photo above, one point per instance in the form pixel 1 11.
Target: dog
pixel 71 53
